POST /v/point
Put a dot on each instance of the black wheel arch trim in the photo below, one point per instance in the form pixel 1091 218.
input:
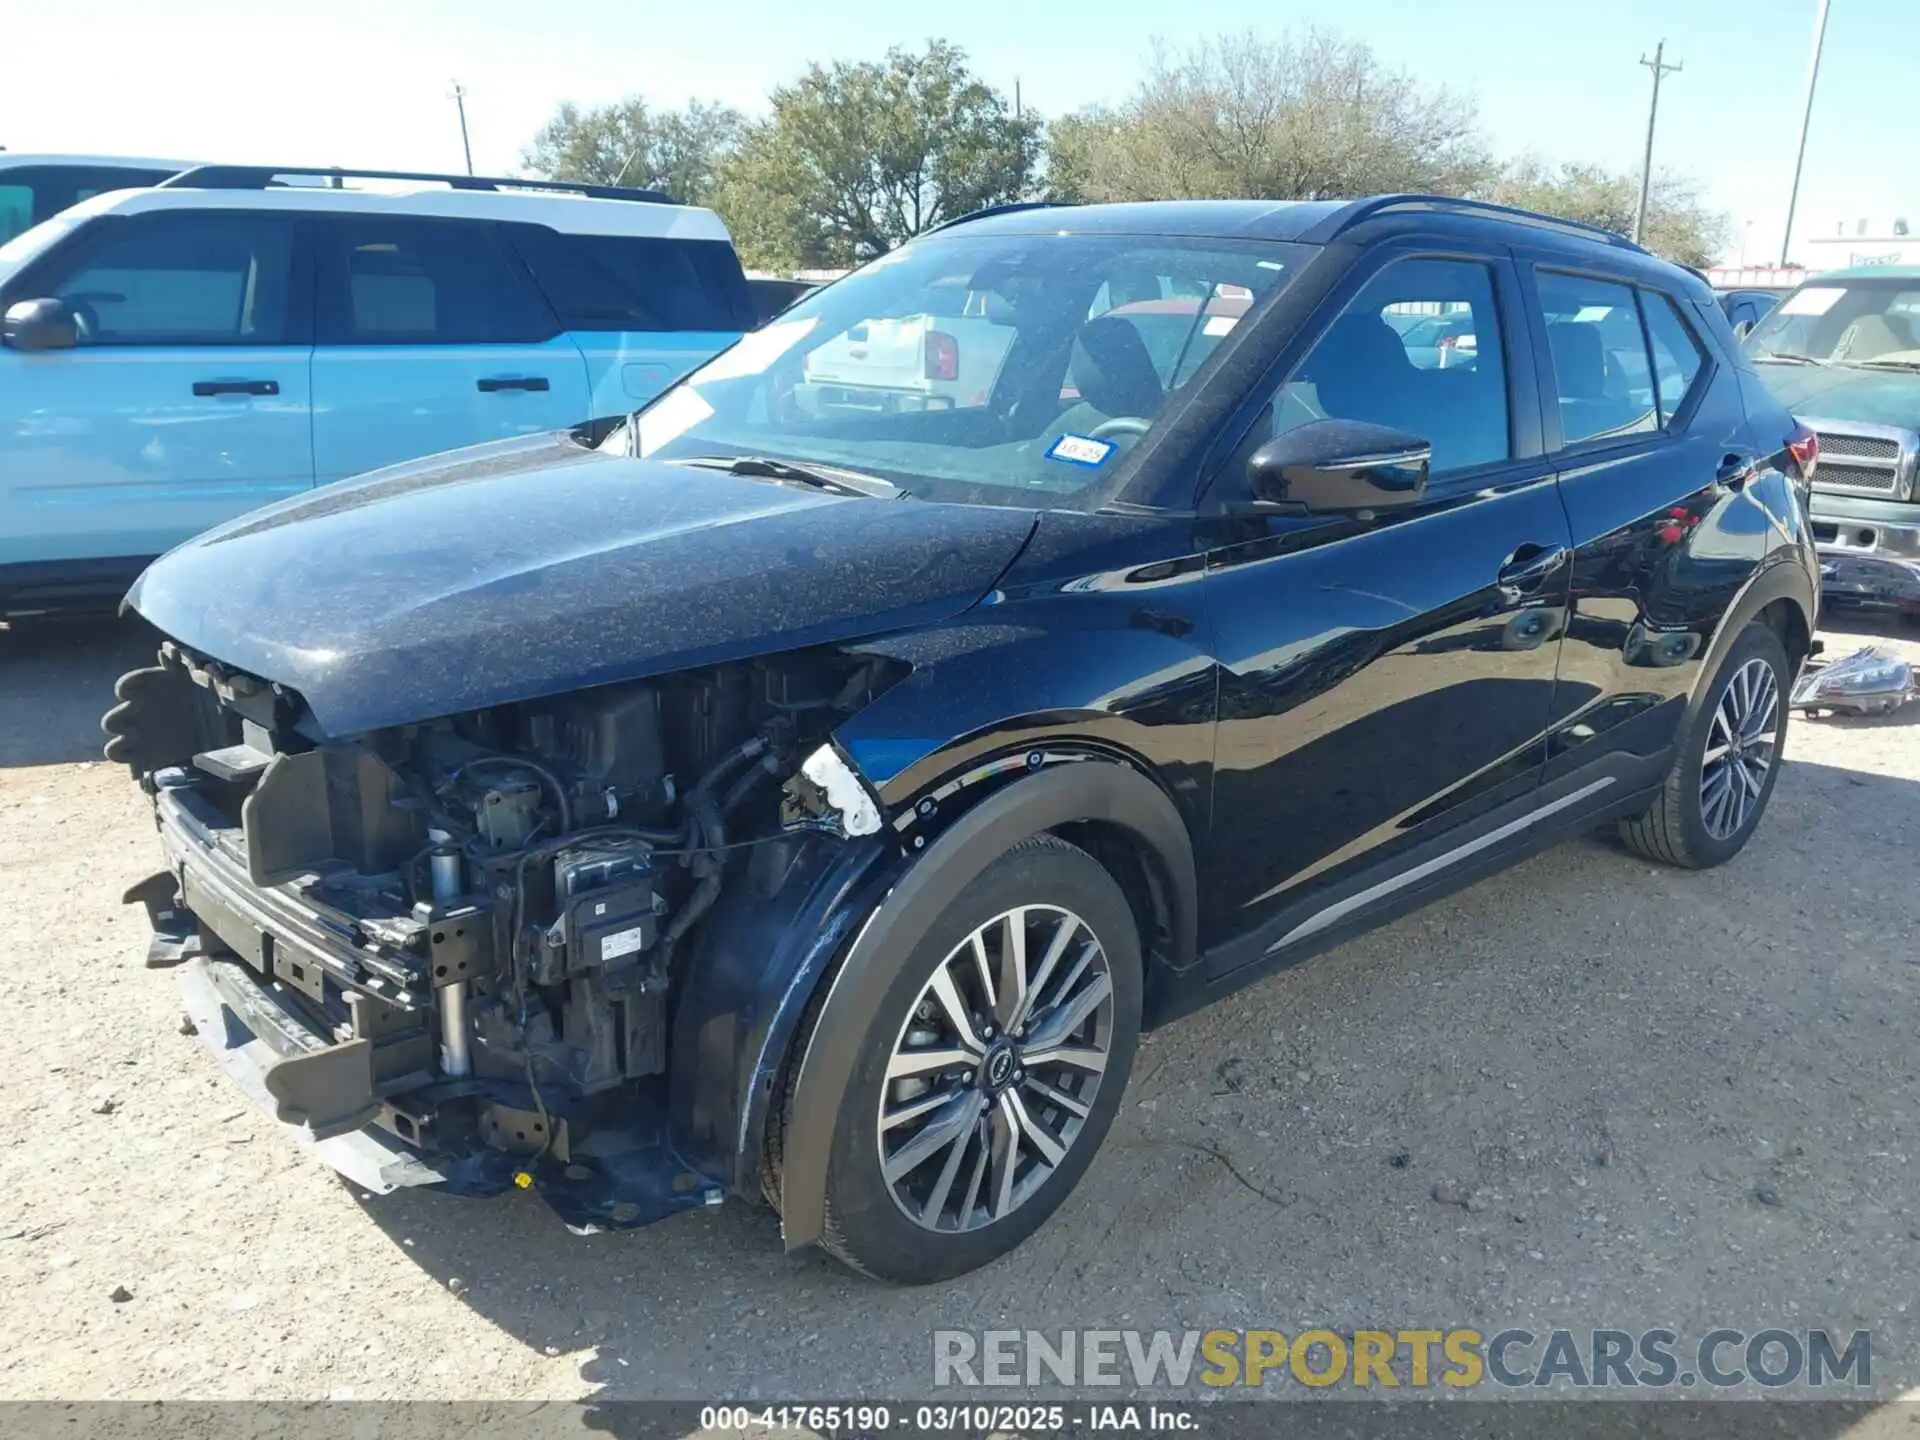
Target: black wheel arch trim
pixel 1782 579
pixel 1088 790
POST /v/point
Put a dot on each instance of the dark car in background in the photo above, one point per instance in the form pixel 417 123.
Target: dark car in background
pixel 815 804
pixel 771 294
pixel 1843 353
pixel 1747 308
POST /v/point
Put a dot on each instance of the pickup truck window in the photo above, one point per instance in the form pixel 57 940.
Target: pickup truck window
pixel 1850 320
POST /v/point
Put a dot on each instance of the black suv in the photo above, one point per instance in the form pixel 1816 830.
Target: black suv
pixel 810 786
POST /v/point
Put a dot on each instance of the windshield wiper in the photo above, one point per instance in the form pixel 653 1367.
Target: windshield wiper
pixel 820 477
pixel 1882 364
pixel 1782 357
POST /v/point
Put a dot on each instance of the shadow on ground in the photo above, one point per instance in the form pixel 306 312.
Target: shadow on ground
pixel 56 681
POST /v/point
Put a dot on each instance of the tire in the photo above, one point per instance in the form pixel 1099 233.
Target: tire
pixel 1692 823
pixel 867 1223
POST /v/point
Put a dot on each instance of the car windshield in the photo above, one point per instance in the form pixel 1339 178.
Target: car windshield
pixel 1001 370
pixel 30 243
pixel 1868 322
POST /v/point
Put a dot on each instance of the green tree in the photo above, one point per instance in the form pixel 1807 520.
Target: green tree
pixel 631 143
pixel 1302 117
pixel 855 158
pixel 1680 225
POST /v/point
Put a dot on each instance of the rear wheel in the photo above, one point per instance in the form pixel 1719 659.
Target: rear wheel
pixel 992 1072
pixel 1728 761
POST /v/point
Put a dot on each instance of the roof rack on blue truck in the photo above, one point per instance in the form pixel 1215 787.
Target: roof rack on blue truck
pixel 261 177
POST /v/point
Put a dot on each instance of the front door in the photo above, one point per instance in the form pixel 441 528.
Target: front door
pixel 1386 682
pixel 431 336
pixel 186 401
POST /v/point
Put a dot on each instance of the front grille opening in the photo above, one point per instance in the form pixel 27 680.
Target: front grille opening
pixel 1859 447
pixel 1853 477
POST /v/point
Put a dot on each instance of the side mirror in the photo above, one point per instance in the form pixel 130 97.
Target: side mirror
pixel 1331 466
pixel 39 325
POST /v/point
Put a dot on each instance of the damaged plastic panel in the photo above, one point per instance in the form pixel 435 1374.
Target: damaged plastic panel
pixel 467 934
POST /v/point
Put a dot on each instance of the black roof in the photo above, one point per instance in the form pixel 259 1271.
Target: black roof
pixel 1321 222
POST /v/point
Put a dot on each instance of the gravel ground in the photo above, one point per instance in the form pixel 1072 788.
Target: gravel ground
pixel 1644 1097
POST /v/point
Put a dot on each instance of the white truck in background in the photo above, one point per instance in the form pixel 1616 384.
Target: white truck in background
pixel 914 362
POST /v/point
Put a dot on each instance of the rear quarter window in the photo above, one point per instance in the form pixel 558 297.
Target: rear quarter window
pixel 624 282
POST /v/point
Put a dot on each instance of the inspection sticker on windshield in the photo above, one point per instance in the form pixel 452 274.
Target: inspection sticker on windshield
pixel 1080 450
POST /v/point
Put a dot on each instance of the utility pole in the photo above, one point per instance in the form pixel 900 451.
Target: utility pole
pixel 1806 118
pixel 460 103
pixel 1660 69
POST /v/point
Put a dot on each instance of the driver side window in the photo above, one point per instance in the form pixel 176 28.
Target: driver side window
pixel 187 277
pixel 1418 349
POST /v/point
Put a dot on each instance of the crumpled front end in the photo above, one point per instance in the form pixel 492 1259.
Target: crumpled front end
pixel 446 953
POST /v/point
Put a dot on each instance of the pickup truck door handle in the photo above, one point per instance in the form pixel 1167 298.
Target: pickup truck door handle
pixel 513 382
pixel 1735 471
pixel 236 387
pixel 1529 565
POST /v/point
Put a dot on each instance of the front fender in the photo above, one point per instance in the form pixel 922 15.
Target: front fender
pixel 1080 791
pixel 757 964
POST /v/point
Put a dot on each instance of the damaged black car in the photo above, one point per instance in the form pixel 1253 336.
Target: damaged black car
pixel 808 788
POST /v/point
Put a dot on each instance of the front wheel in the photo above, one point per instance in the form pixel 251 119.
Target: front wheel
pixel 1727 764
pixel 992 1072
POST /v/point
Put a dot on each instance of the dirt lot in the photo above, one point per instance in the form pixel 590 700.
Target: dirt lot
pixel 1663 1098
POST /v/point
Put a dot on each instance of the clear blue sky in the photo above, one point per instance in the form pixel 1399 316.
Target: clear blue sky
pixel 367 81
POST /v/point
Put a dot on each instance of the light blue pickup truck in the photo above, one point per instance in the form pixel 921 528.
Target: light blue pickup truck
pixel 175 355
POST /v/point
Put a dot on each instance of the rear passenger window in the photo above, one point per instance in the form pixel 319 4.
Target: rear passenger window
pixel 425 282
pixel 626 282
pixel 1676 353
pixel 1418 349
pixel 183 277
pixel 1601 375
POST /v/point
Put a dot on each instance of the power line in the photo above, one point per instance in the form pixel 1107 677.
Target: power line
pixel 1806 119
pixel 1660 69
pixel 460 102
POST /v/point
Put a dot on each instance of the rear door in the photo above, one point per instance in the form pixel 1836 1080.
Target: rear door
pixel 431 335
pixel 1651 443
pixel 645 310
pixel 186 401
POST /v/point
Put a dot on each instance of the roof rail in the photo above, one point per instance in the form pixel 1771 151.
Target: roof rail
pixel 1362 210
pixel 261 177
pixel 1012 207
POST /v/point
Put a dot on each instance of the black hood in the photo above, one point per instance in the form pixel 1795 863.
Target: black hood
pixel 534 567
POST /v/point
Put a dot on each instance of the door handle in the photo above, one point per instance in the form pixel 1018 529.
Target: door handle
pixel 1735 471
pixel 236 387
pixel 1526 567
pixel 513 382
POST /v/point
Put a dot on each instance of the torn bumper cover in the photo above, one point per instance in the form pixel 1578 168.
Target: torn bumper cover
pixel 259 986
pixel 1854 580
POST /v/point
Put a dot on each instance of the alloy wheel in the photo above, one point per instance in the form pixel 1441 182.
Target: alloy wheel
pixel 995 1068
pixel 1742 744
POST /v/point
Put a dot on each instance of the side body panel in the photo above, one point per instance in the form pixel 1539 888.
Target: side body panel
pixel 1668 529
pixel 109 452
pixel 628 368
pixel 376 405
